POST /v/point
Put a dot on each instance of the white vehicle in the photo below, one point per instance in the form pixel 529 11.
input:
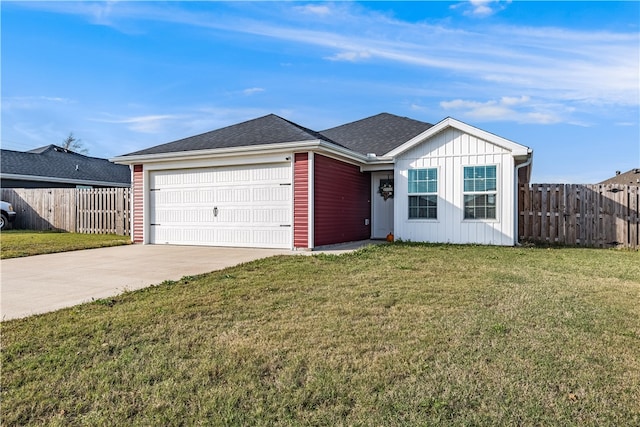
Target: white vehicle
pixel 8 214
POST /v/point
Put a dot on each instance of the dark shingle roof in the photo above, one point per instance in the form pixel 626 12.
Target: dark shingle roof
pixel 269 129
pixel 377 134
pixel 56 162
pixel 631 177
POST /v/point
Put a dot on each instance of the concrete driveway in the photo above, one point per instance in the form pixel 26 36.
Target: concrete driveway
pixel 43 283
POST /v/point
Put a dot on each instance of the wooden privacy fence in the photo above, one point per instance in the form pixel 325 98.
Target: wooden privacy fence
pixel 89 211
pixel 597 215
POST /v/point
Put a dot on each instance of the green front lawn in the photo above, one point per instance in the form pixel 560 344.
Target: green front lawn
pixel 401 334
pixel 18 243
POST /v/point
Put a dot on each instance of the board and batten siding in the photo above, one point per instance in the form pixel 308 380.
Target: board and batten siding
pixel 450 151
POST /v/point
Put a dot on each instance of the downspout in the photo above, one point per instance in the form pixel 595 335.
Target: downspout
pixel 515 197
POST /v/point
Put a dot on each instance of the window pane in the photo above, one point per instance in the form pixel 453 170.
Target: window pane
pixel 480 206
pixel 480 178
pixel 468 172
pixel 468 185
pixel 423 207
pixel 423 181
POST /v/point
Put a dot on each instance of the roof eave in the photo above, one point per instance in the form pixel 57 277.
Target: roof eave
pixel 240 151
pixel 20 177
pixel 378 163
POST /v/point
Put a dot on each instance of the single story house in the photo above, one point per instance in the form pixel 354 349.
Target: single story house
pixel 269 182
pixel 630 177
pixel 56 167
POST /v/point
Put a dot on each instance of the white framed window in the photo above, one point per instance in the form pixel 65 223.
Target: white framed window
pixel 480 192
pixel 423 193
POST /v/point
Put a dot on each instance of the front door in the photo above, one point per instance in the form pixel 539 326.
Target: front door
pixel 382 204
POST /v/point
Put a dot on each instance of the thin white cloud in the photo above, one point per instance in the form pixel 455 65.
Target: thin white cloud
pixel 519 109
pixel 144 124
pixel 315 9
pixel 32 102
pixel 510 100
pixel 558 65
pixel 349 56
pixel 252 91
pixel 480 8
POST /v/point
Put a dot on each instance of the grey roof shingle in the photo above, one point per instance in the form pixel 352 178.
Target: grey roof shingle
pixel 377 134
pixel 269 129
pixel 56 162
pixel 631 177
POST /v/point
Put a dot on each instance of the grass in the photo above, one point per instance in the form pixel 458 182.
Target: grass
pixel 18 243
pixel 401 334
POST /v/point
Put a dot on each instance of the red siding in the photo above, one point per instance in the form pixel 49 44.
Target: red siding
pixel 301 200
pixel 341 202
pixel 138 205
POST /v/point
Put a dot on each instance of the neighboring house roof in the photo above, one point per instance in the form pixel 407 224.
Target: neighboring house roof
pixel 56 164
pixel 377 134
pixel 269 129
pixel 631 177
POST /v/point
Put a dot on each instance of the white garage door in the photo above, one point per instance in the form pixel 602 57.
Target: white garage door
pixel 245 206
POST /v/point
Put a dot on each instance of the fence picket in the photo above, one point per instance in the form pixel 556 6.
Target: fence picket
pixel 89 211
pixel 585 215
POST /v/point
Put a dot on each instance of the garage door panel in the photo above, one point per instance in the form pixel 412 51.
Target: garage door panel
pixel 241 206
pixel 271 194
pixel 207 196
pixel 279 237
pixel 170 216
pixel 272 216
pixel 165 197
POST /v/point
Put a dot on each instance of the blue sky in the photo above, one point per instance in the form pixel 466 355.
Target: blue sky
pixel 560 77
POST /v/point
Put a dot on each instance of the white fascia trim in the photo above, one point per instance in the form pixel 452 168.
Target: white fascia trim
pixel 244 150
pixel 19 177
pixel 515 148
pixel 379 164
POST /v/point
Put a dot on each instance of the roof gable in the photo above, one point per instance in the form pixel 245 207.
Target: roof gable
pixel 61 164
pixel 516 149
pixel 377 134
pixel 269 129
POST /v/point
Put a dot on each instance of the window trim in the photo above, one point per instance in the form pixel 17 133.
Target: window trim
pixel 436 194
pixel 495 192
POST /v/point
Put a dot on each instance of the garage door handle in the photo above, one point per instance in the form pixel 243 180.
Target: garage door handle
pixel 215 211
pixel 285 225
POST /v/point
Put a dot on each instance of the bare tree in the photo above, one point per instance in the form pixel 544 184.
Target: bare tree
pixel 74 144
